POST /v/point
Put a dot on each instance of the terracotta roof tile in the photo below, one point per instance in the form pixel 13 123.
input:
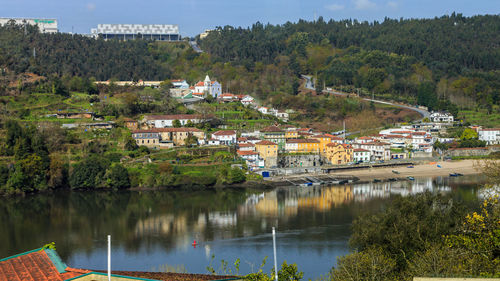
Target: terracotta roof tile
pixel 265 142
pixel 224 133
pixel 271 129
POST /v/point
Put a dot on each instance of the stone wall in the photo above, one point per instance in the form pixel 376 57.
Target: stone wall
pixel 477 151
pixel 299 161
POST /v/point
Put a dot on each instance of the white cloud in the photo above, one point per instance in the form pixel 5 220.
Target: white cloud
pixel 335 7
pixel 392 4
pixel 364 4
pixel 90 7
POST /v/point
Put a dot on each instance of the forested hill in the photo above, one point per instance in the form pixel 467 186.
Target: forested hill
pixel 450 44
pixel 27 50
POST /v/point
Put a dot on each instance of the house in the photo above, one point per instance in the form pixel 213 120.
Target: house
pixel 179 135
pixel 360 155
pixel 291 135
pixel 323 141
pixel 213 142
pixel 246 147
pixel 226 137
pixel 227 97
pixel 490 136
pixel 253 140
pixel 180 84
pixel 208 87
pixel 131 124
pixel 242 140
pixel 268 151
pixel 274 134
pixel 441 117
pixel 282 115
pixel 263 110
pixel 339 153
pixel 364 139
pixel 251 158
pixel 302 146
pixel 378 150
pixel 148 138
pixel 163 121
pixel 247 100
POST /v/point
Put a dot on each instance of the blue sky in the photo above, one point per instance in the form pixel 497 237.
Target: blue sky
pixel 193 16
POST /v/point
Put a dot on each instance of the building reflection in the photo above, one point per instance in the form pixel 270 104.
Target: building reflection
pixel 260 210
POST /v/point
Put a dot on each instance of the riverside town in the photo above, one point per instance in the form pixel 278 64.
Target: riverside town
pixel 359 144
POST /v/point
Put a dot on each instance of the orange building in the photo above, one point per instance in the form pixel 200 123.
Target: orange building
pixel 339 153
pixel 302 146
pixel 268 151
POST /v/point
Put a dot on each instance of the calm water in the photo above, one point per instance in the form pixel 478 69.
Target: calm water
pixel 153 231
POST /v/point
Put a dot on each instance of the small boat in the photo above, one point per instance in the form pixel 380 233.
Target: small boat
pixel 410 166
pixel 439 166
pixel 376 180
pixel 394 171
pixel 393 179
pixel 453 175
pixel 458 174
pixel 410 178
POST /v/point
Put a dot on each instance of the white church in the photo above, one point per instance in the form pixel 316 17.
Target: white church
pixel 208 87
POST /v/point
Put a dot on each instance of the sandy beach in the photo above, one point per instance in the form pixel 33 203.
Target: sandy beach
pixel 429 169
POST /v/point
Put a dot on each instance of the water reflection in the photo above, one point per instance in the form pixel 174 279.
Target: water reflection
pixel 151 229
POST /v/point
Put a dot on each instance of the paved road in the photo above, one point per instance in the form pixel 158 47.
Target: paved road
pixel 310 85
pixel 423 112
pixel 195 47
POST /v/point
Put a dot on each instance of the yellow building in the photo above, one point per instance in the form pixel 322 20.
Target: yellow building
pixel 339 153
pixel 323 141
pixel 302 146
pixel 179 135
pixel 291 135
pixel 268 151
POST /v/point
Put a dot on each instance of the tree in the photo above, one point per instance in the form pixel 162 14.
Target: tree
pixel 89 172
pixel 370 264
pixel 191 140
pixel 117 177
pixel 130 144
pixel 176 123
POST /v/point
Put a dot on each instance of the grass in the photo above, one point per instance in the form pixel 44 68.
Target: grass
pixel 480 117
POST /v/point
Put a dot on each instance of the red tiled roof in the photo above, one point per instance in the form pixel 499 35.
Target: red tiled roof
pixel 243 153
pixel 304 129
pixel 302 141
pixel 401 132
pixel 360 150
pixel 265 142
pixel 36 265
pixel 394 136
pixel 242 139
pixel 246 145
pixel 252 138
pixel 144 131
pixel 419 133
pixel 177 80
pixel 333 144
pixel 224 133
pixel 490 129
pixel 200 84
pixel 174 130
pixel 173 117
pixel 199 94
pixel 321 136
pixel 305 134
pixel 365 138
pixel 271 129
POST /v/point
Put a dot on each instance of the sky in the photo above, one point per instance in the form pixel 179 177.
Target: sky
pixel 194 16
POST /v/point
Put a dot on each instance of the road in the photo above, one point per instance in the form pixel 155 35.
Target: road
pixel 310 85
pixel 195 47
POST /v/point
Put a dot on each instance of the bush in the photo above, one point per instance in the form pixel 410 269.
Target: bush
pixel 117 177
pixel 89 172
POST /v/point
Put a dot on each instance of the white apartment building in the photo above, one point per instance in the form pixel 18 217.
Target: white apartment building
pixel 226 137
pixel 440 117
pixel 490 136
pixel 361 155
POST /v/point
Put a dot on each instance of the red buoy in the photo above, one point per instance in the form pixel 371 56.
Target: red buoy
pixel 194 244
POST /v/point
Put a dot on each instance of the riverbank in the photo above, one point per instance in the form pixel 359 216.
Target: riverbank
pixel 430 169
pixel 427 169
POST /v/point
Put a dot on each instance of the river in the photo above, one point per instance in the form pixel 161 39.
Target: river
pixel 154 230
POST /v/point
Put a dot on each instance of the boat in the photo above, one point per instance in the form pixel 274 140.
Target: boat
pixel 376 180
pixel 393 179
pixel 458 174
pixel 410 178
pixel 394 171
pixel 410 166
pixel 453 175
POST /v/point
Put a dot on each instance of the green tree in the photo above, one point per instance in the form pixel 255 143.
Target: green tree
pixel 176 123
pixel 88 173
pixel 117 177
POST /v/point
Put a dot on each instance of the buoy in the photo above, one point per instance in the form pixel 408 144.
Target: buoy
pixel 194 244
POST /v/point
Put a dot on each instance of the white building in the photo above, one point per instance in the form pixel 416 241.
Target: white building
pixel 226 137
pixel 263 110
pixel 251 158
pixel 361 155
pixel 282 115
pixel 440 117
pixel 163 121
pixel 490 136
pixel 247 100
pixel 208 87
pixel 378 150
pixel 44 25
pixel 180 84
pixel 156 32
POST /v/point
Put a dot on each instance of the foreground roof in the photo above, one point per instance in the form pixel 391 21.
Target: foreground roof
pixel 37 265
